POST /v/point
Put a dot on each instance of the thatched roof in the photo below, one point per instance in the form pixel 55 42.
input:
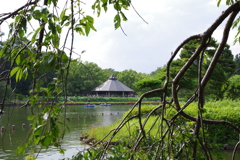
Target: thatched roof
pixel 112 84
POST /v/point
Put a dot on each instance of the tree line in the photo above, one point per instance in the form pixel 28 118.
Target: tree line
pixel 85 76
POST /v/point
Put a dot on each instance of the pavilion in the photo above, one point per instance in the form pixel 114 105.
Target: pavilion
pixel 113 87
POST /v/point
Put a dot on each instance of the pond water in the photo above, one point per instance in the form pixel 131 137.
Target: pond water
pixel 81 119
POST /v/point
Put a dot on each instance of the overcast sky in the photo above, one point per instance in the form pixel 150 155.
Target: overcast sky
pixel 146 46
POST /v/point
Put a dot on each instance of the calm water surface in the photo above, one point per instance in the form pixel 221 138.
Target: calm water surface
pixel 81 119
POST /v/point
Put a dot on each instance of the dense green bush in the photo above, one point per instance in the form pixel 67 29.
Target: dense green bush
pixel 226 110
pixel 232 87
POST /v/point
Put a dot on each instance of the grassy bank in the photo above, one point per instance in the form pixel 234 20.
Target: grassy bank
pixel 128 131
pixel 219 134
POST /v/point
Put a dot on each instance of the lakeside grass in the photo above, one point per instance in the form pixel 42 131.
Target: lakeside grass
pixel 216 110
pixel 127 131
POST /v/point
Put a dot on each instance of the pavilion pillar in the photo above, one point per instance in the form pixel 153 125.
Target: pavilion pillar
pixel 123 94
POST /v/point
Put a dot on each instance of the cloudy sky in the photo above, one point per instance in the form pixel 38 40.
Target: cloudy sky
pixel 146 46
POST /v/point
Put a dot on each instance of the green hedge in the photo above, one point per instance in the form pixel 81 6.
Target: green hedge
pixel 107 99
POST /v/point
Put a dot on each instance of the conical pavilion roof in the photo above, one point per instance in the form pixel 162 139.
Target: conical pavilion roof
pixel 112 84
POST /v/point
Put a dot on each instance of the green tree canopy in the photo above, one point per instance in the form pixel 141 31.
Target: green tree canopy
pixel 232 90
pixel 83 77
pixel 129 78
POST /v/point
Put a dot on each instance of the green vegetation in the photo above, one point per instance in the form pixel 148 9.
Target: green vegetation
pixel 217 110
pixel 217 135
pixel 226 110
pixel 37 61
pixel 110 99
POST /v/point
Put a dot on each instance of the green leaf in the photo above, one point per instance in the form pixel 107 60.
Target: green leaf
pixel 63 14
pixel 30 118
pixel 19 75
pixel 24 24
pixel 64 19
pixel 52 27
pixel 62 151
pixel 19 59
pixel 55 18
pixel 17 18
pixel 67 24
pixel 123 16
pixel 98 9
pixel 37 14
pixel 117 21
pixel 44 11
pixel 117 6
pixel 21 32
pixel 35 34
pixel 20 150
pixel 205 60
pixel 44 17
pixel 79 30
pixel 59 28
pixel 46 141
pixel 55 40
pixel 50 58
pixel 65 58
pixel 14 71
pixel 104 1
pixel 25 73
pixel 38 130
pixel 87 29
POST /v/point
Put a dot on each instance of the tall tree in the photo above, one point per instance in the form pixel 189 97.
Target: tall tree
pixel 221 73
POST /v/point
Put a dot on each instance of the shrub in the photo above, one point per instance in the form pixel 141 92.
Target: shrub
pixel 226 110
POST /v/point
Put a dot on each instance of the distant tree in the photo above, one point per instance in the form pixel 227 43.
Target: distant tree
pixel 83 77
pixel 147 84
pixel 129 78
pixel 232 90
pixel 237 61
pixel 156 71
pixel 109 71
pixel 152 81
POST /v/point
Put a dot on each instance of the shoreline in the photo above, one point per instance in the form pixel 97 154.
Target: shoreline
pixel 84 103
